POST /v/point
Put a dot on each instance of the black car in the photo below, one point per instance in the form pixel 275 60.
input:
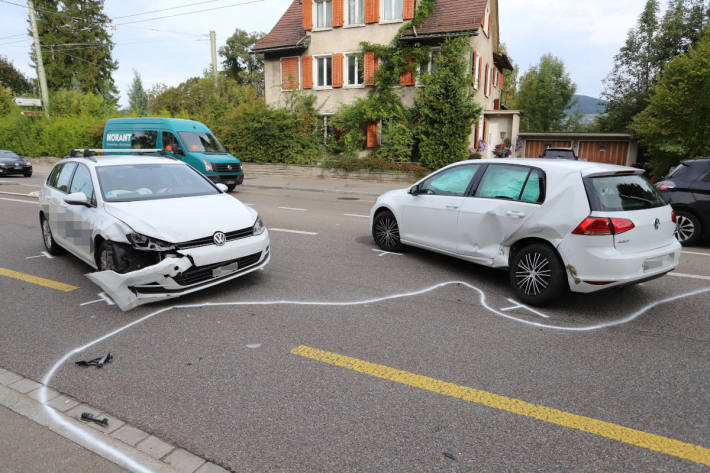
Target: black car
pixel 11 163
pixel 558 153
pixel 687 189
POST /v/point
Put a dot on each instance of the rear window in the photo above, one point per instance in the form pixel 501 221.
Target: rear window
pixel 620 193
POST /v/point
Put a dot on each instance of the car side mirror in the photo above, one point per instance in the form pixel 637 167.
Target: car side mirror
pixel 414 190
pixel 77 198
pixel 222 187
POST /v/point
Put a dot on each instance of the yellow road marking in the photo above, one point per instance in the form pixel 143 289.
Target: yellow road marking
pixel 676 448
pixel 59 286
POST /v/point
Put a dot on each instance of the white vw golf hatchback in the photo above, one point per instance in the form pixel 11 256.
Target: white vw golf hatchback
pixel 154 227
pixel 554 224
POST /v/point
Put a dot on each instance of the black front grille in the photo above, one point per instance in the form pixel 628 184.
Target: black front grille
pixel 200 274
pixel 227 167
pixel 235 235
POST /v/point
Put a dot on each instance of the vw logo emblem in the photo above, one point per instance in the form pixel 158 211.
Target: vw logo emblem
pixel 229 166
pixel 656 224
pixel 219 238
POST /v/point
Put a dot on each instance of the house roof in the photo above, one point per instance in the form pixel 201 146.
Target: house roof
pixel 451 16
pixel 288 32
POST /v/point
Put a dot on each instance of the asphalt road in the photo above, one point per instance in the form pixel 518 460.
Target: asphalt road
pixel 230 383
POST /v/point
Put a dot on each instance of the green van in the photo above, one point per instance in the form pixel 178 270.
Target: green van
pixel 186 140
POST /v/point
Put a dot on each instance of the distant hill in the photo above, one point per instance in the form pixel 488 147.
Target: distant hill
pixel 588 105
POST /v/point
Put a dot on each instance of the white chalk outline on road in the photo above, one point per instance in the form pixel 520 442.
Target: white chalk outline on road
pixel 383 252
pixel 293 208
pixel 124 460
pixel 689 276
pixel 43 254
pixel 102 297
pixel 518 305
pixel 357 215
pixel 19 200
pixel 695 253
pixel 286 230
pixel 34 194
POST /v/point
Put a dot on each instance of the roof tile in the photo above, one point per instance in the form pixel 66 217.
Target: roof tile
pixel 287 32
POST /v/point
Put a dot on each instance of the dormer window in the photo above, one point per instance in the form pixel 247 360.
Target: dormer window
pixel 391 10
pixel 355 12
pixel 324 13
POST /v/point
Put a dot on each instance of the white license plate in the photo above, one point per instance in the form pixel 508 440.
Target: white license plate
pixel 654 263
pixel 18 167
pixel 224 270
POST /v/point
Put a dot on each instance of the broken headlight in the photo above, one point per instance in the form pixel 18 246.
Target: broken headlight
pixel 258 227
pixel 142 242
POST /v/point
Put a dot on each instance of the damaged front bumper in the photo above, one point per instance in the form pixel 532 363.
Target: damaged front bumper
pixel 188 271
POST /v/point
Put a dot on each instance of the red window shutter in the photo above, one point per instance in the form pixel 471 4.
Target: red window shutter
pixel 289 73
pixel 407 9
pixel 485 130
pixel 496 104
pixel 372 134
pixel 337 13
pixel 372 11
pixel 473 63
pixel 370 67
pixel 501 81
pixel 407 77
pixel 307 72
pixel 337 70
pixel 480 74
pixel 307 14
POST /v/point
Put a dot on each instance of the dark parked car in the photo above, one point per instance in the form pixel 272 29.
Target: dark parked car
pixel 11 163
pixel 687 189
pixel 558 153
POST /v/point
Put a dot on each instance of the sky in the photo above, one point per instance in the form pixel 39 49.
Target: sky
pixel 584 34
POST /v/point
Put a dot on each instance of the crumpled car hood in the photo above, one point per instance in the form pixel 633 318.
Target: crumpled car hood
pixel 183 219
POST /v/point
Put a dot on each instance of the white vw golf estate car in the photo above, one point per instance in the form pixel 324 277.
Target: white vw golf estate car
pixel 555 224
pixel 154 227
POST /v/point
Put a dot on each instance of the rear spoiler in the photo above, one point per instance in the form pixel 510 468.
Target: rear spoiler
pixel 607 173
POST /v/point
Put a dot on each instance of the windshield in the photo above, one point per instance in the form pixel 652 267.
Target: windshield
pixel 618 193
pixel 7 154
pixel 126 183
pixel 202 142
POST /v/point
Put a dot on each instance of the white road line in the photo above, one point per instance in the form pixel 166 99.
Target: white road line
pixel 42 254
pixel 356 215
pixel 18 200
pixel 518 305
pixel 294 209
pixel 383 252
pixel 689 276
pixel 23 195
pixel 695 253
pixel 285 230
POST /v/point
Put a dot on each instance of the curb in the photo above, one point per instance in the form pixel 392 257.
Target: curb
pixel 20 395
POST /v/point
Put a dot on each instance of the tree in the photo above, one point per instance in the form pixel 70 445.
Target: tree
pixel 76 44
pixel 137 96
pixel 239 64
pixel 510 83
pixel 675 124
pixel 545 93
pixel 13 79
pixel 446 108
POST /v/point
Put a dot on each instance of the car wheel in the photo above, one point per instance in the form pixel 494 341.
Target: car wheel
pixel 536 274
pixel 687 229
pixel 28 174
pixel 385 231
pixel 48 239
pixel 231 187
pixel 106 260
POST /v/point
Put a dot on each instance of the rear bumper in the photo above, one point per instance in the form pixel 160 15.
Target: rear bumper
pixel 594 268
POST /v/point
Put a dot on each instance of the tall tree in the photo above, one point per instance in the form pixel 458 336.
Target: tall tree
pixel 137 96
pixel 76 44
pixel 675 125
pixel 13 79
pixel 239 63
pixel 545 93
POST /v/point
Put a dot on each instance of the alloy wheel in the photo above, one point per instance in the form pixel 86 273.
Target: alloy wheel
pixel 387 232
pixel 47 234
pixel 685 228
pixel 533 273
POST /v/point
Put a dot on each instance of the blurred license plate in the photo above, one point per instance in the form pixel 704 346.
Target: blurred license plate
pixel 229 181
pixel 654 263
pixel 224 270
pixel 18 167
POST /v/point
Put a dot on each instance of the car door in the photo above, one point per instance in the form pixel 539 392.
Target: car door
pixel 82 220
pixel 58 216
pixel 506 197
pixel 172 146
pixel 430 217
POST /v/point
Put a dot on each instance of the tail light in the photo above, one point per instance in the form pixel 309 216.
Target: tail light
pixel 603 226
pixel 665 185
pixel 673 216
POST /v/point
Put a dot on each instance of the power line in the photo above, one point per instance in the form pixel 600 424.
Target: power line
pixel 13 36
pixel 166 9
pixel 190 13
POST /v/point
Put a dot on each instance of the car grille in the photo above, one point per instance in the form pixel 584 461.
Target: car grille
pixel 226 167
pixel 200 274
pixel 235 235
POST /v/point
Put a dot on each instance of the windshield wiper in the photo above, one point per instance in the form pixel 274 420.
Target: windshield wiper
pixel 633 197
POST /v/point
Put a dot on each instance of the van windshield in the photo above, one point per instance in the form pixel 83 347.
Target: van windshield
pixel 201 142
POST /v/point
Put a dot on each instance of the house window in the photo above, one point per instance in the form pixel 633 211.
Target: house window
pixel 391 10
pixel 430 66
pixel 323 71
pixel 356 12
pixel 487 21
pixel 356 73
pixel 324 13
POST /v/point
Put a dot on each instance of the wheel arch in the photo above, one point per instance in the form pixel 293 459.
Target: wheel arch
pixel 98 239
pixel 523 242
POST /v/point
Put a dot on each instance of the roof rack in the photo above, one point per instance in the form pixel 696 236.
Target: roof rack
pixel 90 152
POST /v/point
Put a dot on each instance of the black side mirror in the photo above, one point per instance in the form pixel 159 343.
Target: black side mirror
pixel 414 190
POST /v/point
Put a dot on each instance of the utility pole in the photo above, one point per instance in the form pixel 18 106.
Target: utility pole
pixel 213 43
pixel 38 58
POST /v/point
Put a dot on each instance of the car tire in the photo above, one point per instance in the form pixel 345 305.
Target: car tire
pixel 385 231
pixel 28 174
pixel 537 274
pixel 105 257
pixel 688 228
pixel 52 247
pixel 231 187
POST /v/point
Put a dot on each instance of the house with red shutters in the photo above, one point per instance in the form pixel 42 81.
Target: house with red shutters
pixel 316 48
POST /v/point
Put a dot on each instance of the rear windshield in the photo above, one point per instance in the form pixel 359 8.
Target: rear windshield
pixel 619 193
pixel 559 153
pixel 126 183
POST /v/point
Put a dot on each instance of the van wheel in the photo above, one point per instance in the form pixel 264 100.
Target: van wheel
pixel 536 274
pixel 231 187
pixel 52 247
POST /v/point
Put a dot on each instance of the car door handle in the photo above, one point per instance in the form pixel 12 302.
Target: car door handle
pixel 513 213
pixel 452 206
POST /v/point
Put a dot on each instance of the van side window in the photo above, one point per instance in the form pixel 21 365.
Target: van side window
pixel 65 176
pixel 170 143
pixel 144 139
pixel 52 179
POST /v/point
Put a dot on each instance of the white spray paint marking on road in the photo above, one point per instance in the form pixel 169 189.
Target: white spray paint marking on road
pixel 286 230
pixel 31 194
pixel 19 200
pixel 43 254
pixel 518 305
pixel 123 460
pixel 356 215
pixel 383 252
pixel 293 208
pixel 254 345
pixel 695 253
pixel 102 297
pixel 690 276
